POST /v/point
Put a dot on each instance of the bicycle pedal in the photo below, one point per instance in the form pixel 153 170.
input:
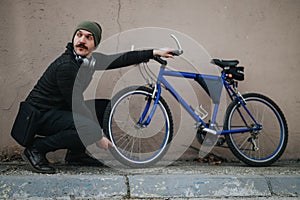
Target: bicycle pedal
pixel 220 141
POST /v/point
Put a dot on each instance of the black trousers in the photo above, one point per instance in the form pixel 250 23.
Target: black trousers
pixel 59 131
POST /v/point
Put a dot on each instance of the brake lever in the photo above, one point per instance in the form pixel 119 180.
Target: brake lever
pixel 160 60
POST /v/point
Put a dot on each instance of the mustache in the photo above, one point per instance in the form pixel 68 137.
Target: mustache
pixel 82 46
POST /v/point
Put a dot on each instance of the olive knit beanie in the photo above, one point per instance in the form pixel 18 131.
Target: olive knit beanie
pixel 92 27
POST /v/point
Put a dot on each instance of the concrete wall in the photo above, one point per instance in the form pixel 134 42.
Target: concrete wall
pixel 263 35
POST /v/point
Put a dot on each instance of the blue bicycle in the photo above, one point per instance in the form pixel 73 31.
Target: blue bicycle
pixel 140 125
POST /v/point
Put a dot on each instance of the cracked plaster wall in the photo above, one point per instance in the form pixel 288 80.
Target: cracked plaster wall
pixel 263 35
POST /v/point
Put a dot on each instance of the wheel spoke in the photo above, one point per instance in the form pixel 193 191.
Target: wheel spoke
pixel 135 145
pixel 270 141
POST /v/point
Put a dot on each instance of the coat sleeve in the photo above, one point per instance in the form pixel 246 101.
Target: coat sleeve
pixel 114 61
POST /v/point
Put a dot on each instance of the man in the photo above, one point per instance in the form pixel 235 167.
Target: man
pixel 62 86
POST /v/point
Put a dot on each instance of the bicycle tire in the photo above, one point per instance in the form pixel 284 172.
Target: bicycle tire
pixel 120 126
pixel 271 141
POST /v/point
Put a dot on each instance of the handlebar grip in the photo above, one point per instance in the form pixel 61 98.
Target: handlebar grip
pixel 176 52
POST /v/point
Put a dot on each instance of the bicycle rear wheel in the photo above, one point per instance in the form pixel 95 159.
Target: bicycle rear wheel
pixel 136 145
pixel 261 148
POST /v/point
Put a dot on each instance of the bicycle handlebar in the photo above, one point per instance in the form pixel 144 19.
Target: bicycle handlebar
pixel 173 53
pixel 179 51
pixel 176 52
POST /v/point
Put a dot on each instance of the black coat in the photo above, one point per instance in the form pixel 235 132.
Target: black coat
pixel 57 88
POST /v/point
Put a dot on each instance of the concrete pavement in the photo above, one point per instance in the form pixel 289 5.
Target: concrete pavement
pixel 181 180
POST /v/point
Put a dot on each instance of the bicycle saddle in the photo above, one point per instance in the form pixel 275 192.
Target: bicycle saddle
pixel 224 63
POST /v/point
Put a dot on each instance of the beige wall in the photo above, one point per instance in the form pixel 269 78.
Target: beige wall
pixel 262 34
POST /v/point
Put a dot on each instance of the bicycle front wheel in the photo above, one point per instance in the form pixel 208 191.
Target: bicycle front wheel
pixel 256 148
pixel 136 145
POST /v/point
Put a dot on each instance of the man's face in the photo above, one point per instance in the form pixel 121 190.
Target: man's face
pixel 83 43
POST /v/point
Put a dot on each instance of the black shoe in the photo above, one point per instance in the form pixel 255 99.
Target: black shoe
pixel 37 161
pixel 81 159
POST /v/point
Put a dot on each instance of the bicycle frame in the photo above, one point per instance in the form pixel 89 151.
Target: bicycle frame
pixel 206 127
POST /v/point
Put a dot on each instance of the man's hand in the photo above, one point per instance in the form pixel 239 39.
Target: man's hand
pixel 104 143
pixel 163 52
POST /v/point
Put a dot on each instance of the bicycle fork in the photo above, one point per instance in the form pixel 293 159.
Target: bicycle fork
pixel 144 120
